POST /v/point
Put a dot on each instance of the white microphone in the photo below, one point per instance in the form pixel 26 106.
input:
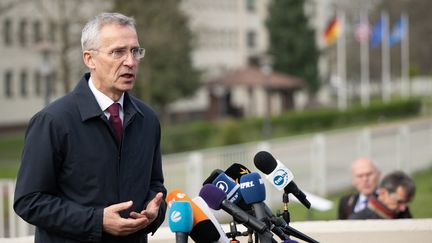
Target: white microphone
pixel 279 175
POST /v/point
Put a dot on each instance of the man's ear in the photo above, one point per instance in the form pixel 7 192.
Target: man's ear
pixel 88 60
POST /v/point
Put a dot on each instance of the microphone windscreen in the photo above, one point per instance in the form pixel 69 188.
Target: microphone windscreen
pixel 212 195
pixel 179 195
pixel 265 162
pixel 180 217
pixel 205 208
pixel 229 186
pixel 236 171
pixel 212 176
pixel 203 229
pixel 252 188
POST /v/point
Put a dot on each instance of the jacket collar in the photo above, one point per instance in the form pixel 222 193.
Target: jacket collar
pixel 88 106
pixel 376 206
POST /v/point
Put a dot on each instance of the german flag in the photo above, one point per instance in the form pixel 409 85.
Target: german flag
pixel 332 31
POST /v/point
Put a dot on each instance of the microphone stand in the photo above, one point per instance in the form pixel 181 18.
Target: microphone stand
pixel 234 233
pixel 285 214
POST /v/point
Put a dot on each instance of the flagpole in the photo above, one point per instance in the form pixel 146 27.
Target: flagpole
pixel 341 63
pixel 405 84
pixel 385 58
pixel 364 63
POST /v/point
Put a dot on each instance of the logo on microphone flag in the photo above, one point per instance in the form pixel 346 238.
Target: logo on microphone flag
pixel 222 185
pixel 281 176
pixel 175 216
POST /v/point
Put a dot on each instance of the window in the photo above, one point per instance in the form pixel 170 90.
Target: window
pixel 52 31
pixel 250 5
pixel 8 84
pixel 38 83
pixel 37 32
pixel 7 31
pixel 22 35
pixel 24 83
pixel 251 39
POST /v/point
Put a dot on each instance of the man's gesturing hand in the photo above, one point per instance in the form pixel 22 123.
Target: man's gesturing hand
pixel 114 224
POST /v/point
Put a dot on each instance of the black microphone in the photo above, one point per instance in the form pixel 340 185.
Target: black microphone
pixel 215 173
pixel 235 171
pixel 290 230
pixel 216 199
pixel 279 175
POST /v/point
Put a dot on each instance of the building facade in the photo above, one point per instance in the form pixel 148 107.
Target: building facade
pixel 41 57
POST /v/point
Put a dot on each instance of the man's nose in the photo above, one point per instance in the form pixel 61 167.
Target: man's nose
pixel 130 60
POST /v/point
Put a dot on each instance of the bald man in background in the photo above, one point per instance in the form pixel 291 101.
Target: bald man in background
pixel 365 179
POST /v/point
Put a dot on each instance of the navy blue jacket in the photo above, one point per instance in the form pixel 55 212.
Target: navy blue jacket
pixel 72 168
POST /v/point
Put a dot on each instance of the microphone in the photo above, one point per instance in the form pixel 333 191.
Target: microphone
pixel 203 230
pixel 217 199
pixel 235 171
pixel 229 186
pixel 180 220
pixel 279 175
pixel 212 176
pixel 205 208
pixel 253 191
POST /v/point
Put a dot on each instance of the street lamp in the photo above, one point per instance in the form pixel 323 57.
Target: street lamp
pixel 266 64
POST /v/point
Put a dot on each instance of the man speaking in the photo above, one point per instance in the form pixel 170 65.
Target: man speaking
pixel 91 167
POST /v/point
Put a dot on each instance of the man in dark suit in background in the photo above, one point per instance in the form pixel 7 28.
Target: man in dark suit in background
pixel 395 192
pixel 365 177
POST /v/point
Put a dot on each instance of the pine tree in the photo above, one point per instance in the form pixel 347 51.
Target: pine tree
pixel 166 73
pixel 292 41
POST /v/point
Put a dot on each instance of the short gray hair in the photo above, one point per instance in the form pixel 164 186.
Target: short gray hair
pixel 90 32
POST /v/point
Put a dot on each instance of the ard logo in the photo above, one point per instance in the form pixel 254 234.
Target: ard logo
pixel 222 185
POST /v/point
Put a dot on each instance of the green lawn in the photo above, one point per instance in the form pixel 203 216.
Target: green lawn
pixel 10 152
pixel 11 146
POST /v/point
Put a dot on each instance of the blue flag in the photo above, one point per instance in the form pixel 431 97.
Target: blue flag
pixel 398 32
pixel 377 32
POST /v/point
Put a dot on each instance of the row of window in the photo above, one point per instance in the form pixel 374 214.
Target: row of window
pixel 228 5
pixel 25 32
pixel 26 84
pixel 227 39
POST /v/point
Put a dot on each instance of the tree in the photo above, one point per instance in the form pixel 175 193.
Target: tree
pixel 292 41
pixel 66 24
pixel 166 72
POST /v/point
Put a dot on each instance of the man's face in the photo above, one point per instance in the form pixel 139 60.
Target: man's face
pixel 111 75
pixel 365 177
pixel 395 201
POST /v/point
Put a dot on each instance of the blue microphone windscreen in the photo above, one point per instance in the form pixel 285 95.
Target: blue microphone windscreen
pixel 252 188
pixel 180 217
pixel 229 186
pixel 212 195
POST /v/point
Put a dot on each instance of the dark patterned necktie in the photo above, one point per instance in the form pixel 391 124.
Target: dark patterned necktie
pixel 115 120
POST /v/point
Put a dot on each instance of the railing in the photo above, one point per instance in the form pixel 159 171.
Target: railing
pixel 10 224
pixel 320 162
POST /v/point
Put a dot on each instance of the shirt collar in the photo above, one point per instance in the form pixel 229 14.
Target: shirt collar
pixel 103 100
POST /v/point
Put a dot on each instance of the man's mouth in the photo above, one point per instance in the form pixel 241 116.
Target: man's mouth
pixel 128 75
